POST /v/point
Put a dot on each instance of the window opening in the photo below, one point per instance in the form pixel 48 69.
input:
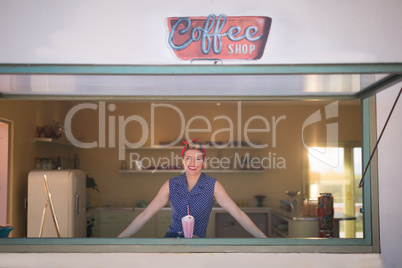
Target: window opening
pixel 336 170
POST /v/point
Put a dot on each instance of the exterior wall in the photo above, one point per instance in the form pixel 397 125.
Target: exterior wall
pixel 390 183
pixel 133 32
pixel 295 39
pixel 197 260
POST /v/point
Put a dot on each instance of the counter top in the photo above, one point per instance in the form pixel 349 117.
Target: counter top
pixel 296 215
pixel 215 209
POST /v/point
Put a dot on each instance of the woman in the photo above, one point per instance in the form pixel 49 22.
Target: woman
pixel 195 193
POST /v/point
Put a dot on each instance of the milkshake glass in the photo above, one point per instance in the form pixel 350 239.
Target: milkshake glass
pixel 188 226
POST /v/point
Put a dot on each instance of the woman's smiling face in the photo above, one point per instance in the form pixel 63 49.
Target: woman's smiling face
pixel 193 161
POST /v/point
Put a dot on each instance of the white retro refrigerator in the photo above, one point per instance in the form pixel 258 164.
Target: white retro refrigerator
pixel 57 203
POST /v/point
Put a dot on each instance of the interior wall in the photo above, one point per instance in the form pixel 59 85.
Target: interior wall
pixel 26 116
pixel 118 189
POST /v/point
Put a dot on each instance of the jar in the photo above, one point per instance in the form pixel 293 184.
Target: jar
pixel 325 212
pixel 47 163
pixel 310 207
pixel 325 205
pixel 313 207
pixel 38 163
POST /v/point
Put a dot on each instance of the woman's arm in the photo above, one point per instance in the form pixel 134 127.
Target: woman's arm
pixel 227 203
pixel 157 204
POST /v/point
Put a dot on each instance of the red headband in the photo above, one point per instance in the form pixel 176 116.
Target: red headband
pixel 185 146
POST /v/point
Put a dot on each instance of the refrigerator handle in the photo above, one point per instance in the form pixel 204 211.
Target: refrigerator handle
pixel 77 204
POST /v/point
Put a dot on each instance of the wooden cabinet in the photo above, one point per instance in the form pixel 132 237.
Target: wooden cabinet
pixel 227 226
pixel 111 222
pixel 279 226
pixel 162 223
pixel 211 226
pixel 282 226
pixel 147 231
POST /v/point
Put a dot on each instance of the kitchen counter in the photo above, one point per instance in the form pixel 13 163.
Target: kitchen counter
pixel 216 209
pixel 296 225
pixel 297 215
pixel 274 221
pixel 110 221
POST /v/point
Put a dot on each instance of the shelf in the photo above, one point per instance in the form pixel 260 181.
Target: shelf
pixel 51 141
pixel 178 171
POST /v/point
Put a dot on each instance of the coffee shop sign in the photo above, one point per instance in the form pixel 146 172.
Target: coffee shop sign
pixel 221 37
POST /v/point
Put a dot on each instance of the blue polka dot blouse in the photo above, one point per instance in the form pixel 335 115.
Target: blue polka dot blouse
pixel 199 201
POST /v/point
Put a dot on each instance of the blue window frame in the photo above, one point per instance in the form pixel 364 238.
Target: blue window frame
pixel 370 242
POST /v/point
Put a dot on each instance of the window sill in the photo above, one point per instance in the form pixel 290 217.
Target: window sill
pixel 182 245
